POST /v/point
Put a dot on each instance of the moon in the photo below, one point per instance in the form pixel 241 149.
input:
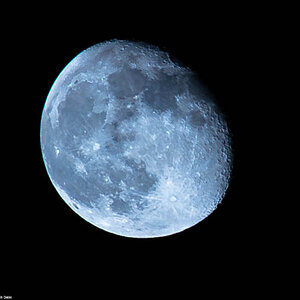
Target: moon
pixel 133 142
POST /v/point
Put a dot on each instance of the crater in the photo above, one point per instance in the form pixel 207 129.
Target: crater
pixel 196 119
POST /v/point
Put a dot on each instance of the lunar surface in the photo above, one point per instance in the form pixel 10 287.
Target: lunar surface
pixel 133 142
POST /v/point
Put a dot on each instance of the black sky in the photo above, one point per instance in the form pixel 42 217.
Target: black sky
pixel 46 245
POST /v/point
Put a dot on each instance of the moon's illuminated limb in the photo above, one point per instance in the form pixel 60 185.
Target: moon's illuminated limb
pixel 133 143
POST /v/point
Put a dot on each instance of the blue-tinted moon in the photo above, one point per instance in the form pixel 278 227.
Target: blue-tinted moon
pixel 133 142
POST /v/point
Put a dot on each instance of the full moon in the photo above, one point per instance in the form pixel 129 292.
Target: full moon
pixel 133 142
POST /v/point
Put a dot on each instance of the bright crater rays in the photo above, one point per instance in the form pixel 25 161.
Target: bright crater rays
pixel 133 142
